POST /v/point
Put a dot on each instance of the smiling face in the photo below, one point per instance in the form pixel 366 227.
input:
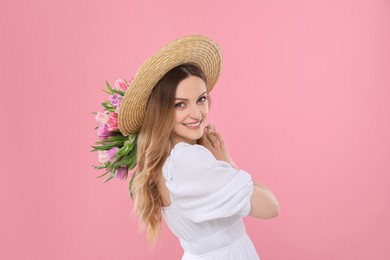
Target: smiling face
pixel 191 110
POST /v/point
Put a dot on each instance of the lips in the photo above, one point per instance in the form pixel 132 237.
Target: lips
pixel 193 123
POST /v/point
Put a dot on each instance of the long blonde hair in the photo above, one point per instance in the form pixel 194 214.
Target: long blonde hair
pixel 153 148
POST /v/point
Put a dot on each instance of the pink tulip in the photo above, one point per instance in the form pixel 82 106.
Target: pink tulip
pixel 103 131
pixel 121 85
pixel 116 99
pixel 102 117
pixel 111 153
pixel 103 157
pixel 113 122
pixel 121 173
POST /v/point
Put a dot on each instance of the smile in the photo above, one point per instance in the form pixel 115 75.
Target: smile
pixel 193 125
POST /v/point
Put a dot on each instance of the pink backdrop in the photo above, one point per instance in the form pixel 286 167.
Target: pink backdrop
pixel 303 105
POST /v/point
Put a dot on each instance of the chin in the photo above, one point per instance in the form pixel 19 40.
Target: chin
pixel 194 138
pixel 191 138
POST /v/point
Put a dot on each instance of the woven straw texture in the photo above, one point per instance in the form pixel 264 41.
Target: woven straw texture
pixel 197 49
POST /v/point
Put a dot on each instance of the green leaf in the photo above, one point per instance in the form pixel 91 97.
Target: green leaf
pixel 125 160
pixel 103 174
pixel 110 177
pixel 130 160
pixel 116 137
pixel 132 137
pixel 108 165
pixel 112 139
pixel 125 150
pixel 109 107
pixel 105 91
pixel 109 145
pixel 98 167
pixel 117 158
pixel 131 184
pixel 133 151
pixel 108 103
pixel 109 87
pixel 133 164
pixel 120 92
pixel 102 148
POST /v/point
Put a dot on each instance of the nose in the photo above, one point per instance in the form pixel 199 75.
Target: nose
pixel 195 112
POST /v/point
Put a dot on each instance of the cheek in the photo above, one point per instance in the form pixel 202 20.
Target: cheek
pixel 205 110
pixel 179 116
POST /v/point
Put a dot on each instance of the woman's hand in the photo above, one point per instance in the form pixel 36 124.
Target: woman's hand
pixel 213 141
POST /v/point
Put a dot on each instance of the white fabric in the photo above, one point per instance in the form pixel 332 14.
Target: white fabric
pixel 209 198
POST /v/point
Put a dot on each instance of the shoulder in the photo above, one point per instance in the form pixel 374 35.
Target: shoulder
pixel 194 155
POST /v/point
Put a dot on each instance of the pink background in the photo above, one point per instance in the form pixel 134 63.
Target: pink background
pixel 303 105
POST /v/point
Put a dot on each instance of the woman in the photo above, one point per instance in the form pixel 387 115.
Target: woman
pixel 185 174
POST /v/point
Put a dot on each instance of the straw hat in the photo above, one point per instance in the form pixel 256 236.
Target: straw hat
pixel 197 49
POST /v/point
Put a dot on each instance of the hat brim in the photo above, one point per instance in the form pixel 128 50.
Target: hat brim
pixel 197 49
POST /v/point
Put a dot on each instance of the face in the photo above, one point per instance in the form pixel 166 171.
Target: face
pixel 191 109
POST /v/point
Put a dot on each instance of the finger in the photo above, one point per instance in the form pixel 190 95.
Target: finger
pixel 219 142
pixel 219 136
pixel 211 128
pixel 211 145
pixel 206 141
pixel 211 139
pixel 214 140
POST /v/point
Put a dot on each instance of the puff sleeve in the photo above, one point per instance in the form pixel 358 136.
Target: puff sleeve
pixel 204 188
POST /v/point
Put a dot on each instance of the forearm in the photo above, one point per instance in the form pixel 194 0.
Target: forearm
pixel 264 202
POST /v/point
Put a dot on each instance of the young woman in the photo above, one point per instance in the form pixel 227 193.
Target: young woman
pixel 185 174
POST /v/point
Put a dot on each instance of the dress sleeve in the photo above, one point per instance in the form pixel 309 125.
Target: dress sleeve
pixel 204 188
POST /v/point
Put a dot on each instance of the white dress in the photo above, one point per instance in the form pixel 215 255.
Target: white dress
pixel 209 198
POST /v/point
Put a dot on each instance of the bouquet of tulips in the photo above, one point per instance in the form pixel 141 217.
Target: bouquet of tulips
pixel 116 152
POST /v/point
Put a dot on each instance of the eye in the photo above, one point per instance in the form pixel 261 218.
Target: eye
pixel 204 99
pixel 179 104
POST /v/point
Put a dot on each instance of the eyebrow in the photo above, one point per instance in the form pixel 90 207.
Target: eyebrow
pixel 187 99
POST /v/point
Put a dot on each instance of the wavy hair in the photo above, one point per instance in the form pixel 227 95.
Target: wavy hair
pixel 154 146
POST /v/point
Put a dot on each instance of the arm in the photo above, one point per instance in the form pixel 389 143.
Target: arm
pixel 264 203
